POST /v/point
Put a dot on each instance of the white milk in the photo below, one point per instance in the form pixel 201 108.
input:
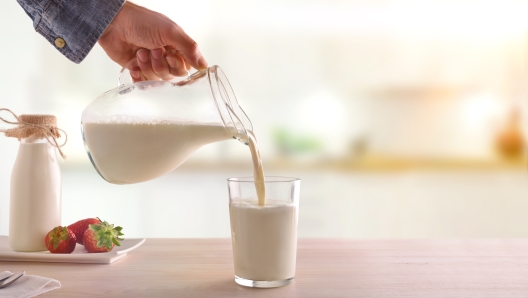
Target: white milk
pixel 264 239
pixel 135 152
pixel 35 204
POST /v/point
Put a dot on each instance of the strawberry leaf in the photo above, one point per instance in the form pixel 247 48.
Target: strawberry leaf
pixel 106 234
pixel 59 234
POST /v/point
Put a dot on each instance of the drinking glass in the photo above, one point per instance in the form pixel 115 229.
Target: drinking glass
pixel 264 237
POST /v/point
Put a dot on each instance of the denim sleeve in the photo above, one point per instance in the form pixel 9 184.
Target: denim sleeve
pixel 79 23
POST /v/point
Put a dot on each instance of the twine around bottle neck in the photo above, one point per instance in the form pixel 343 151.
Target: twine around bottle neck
pixel 48 131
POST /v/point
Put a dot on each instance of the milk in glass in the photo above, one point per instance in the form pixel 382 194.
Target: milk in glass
pixel 264 239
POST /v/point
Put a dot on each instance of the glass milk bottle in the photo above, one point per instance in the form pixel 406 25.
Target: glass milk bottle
pixel 35 193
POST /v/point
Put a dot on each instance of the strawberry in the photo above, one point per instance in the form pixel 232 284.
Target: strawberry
pixel 81 226
pixel 101 237
pixel 60 240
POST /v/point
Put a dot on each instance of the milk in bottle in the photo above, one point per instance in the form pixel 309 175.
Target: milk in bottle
pixel 35 186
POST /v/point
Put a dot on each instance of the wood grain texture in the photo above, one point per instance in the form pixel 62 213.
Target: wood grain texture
pixel 325 268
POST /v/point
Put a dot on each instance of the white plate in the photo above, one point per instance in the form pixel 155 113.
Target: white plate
pixel 79 255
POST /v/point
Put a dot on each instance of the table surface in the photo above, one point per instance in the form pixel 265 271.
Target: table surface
pixel 325 268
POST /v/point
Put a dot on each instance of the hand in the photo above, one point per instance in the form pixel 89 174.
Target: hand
pixel 150 45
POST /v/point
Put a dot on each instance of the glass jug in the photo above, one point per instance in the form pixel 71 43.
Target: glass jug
pixel 140 131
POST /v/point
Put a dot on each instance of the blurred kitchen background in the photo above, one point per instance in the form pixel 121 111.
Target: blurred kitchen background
pixel 402 118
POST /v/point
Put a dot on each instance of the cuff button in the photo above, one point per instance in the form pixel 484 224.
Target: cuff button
pixel 60 43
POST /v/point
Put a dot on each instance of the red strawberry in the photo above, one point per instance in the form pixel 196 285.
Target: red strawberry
pixel 60 240
pixel 81 226
pixel 102 237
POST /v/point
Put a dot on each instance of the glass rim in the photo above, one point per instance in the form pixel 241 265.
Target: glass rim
pixel 267 179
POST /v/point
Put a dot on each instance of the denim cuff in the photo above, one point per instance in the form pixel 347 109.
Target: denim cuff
pixel 79 23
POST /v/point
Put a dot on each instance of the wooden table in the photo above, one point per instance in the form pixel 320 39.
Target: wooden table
pixel 325 268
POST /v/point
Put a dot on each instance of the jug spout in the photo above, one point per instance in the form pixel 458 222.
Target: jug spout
pixel 233 116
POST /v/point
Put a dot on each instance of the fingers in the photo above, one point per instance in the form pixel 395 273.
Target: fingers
pixel 135 72
pixel 157 64
pixel 151 65
pixel 178 67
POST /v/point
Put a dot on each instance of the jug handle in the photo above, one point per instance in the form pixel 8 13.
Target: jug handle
pixel 124 77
